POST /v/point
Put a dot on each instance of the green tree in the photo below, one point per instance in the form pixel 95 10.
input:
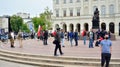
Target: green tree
pixel 25 28
pixel 35 22
pixel 16 23
pixel 43 20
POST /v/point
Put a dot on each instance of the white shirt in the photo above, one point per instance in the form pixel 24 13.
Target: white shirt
pixel 12 34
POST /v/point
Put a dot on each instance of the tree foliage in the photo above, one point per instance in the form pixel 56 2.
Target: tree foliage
pixel 25 28
pixel 43 20
pixel 16 23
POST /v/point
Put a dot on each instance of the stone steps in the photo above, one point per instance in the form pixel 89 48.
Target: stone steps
pixel 51 61
pixel 62 57
pixel 40 64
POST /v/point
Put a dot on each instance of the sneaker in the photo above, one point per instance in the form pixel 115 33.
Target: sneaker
pixel 62 54
pixel 12 47
pixel 63 46
pixel 56 55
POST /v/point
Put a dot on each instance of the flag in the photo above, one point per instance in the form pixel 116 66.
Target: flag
pixel 39 30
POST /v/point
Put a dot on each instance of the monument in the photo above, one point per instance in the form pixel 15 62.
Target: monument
pixel 95 19
pixel 95 23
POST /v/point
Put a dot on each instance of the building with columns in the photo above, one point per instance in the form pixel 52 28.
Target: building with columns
pixel 77 14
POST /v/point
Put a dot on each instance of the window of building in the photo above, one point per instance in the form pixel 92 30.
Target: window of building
pixel 71 1
pixel 95 0
pixel 86 0
pixel 103 10
pixel 64 1
pixel 78 11
pixel 111 9
pixel 57 13
pixel 57 1
pixel 64 13
pixel 78 1
pixel 71 12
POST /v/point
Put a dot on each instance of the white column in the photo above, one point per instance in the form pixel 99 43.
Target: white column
pixel 89 24
pixel 116 29
pixel 107 26
pixel 74 25
pixel 61 26
pixel 82 26
pixel 82 8
pixel 68 28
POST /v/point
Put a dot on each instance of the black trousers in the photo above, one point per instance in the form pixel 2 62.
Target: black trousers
pixel 105 57
pixel 45 41
pixel 58 46
pixel 76 42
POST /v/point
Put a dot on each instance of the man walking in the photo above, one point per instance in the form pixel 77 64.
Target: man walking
pixel 71 34
pixel 106 49
pixel 84 36
pixel 11 36
pixel 76 37
pixel 57 44
pixel 20 38
pixel 45 37
pixel 91 38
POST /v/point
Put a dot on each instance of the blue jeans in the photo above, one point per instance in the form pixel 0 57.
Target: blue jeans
pixel 62 41
pixel 71 39
pixel 84 38
pixel 90 43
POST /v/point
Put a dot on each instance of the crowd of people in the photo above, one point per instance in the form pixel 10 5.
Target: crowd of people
pixel 100 37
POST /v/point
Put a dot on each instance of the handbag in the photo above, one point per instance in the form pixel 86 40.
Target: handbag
pixel 54 41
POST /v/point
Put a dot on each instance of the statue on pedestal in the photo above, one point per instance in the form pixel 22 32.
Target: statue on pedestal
pixel 95 19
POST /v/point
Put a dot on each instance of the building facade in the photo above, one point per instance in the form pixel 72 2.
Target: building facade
pixel 23 15
pixel 4 24
pixel 77 14
pixel 27 20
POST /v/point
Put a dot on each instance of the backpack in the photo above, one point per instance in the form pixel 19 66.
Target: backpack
pixel 54 33
pixel 84 33
pixel 72 35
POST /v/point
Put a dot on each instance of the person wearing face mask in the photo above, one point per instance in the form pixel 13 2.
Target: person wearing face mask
pixel 106 49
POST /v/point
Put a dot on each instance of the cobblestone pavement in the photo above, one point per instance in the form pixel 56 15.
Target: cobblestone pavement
pixel 34 46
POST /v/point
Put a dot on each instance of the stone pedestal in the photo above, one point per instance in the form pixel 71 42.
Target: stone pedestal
pixel 95 30
pixel 113 37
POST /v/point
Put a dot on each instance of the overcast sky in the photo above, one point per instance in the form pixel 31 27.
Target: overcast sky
pixel 34 7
